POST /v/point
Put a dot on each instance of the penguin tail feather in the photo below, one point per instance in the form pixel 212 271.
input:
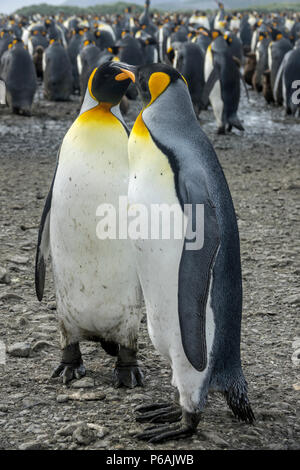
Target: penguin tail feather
pixel 238 402
pixel 235 122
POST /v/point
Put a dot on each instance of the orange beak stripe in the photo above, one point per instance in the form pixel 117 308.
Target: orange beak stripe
pixel 125 74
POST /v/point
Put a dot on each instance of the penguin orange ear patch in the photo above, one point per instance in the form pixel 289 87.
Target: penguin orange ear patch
pixel 158 82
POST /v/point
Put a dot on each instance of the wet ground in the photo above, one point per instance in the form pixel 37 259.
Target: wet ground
pixel 262 168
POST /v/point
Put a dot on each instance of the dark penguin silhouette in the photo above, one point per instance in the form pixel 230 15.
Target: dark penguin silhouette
pixel 18 72
pixel 58 78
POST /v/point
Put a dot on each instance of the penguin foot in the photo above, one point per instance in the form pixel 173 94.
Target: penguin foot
pixel 158 434
pixel 69 372
pixel 159 413
pixel 71 366
pixel 128 375
pixel 221 130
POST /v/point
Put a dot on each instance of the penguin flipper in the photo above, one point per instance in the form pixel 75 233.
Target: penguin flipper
pixel 43 245
pixel 195 273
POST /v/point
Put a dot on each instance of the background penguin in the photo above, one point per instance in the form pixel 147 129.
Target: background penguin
pixel 37 37
pixel 18 73
pixel 97 289
pixel 38 61
pixel 88 59
pixel 222 78
pixel 57 71
pixel 189 61
pixel 276 52
pixel 203 39
pixel 5 40
pixel 290 72
pixel 261 52
pixel 74 46
pixel 193 296
pixel 245 34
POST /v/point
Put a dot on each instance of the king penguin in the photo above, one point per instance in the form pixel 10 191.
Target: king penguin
pixel 98 294
pixel 193 295
pixel 222 76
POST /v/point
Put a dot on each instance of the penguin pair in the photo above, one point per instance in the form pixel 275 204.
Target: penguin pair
pixel 193 296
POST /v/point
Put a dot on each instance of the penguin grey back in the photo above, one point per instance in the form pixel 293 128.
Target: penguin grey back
pixel 58 77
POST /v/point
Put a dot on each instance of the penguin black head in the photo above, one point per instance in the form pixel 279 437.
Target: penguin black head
pixel 152 79
pixel 108 84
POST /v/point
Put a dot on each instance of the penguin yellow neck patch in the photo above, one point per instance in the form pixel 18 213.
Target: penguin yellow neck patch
pixel 90 83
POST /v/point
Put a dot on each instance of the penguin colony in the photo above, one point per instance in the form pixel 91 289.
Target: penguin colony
pixel 213 52
pixel 178 66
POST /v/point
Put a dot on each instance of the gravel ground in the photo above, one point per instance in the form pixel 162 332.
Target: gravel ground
pixel 262 168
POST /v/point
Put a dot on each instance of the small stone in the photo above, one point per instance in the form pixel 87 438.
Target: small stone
pixel 272 414
pixel 85 382
pixel 62 398
pixel 84 435
pixel 51 305
pixel 41 345
pixel 102 444
pixel 19 349
pixel 211 436
pixel 32 445
pixel 296 343
pixel 296 357
pixel 293 299
pixel 10 296
pixel 3 408
pixel 88 396
pixel 4 276
pixel 100 431
pixel 22 321
pixel 296 387
pixel 17 259
pixel 68 429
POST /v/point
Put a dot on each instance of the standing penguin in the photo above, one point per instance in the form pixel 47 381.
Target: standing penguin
pixel 222 76
pixel 57 71
pixel 289 73
pixel 97 289
pixel 276 52
pixel 18 73
pixel 193 295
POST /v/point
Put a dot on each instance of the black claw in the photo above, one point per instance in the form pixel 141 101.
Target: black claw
pixel 69 372
pixel 159 413
pixel 151 407
pixel 71 366
pixel 128 376
pixel 165 433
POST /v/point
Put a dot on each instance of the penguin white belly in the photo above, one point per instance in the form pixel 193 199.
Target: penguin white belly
pixel 215 96
pixel 151 181
pixel 96 283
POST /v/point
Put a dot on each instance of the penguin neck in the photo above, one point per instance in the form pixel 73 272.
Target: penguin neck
pixel 96 113
pixel 89 104
pixel 171 109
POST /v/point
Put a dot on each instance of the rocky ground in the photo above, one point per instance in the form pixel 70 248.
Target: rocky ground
pixel 262 168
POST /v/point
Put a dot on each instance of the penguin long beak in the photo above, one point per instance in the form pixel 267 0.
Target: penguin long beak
pixel 127 71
